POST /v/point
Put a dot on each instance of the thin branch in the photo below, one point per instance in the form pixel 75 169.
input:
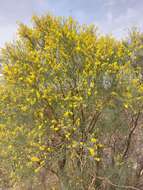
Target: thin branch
pixel 92 183
pixel 130 135
pixel 93 122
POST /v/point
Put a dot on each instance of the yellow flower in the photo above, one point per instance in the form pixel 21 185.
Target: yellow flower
pixel 97 159
pixel 78 122
pixel 93 140
pixel 40 126
pixel 67 113
pixel 78 48
pixel 49 149
pixel 92 84
pixel 56 129
pixel 24 108
pixel 92 151
pixel 67 135
pixel 74 144
pixel 37 169
pixel 37 94
pixel 89 92
pixel 42 147
pixel 10 147
pixel 100 145
pixel 126 106
pixel 35 159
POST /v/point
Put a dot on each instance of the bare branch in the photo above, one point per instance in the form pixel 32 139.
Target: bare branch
pixel 135 124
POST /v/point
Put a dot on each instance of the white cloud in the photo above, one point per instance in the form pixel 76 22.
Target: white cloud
pixel 127 20
pixel 109 3
pixel 7 33
pixel 120 24
pixel 111 16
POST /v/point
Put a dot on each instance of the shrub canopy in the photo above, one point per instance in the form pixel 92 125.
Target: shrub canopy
pixel 70 100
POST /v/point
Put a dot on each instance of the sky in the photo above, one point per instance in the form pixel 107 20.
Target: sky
pixel 114 17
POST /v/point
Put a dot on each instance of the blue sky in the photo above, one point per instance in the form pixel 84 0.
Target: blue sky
pixel 111 16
